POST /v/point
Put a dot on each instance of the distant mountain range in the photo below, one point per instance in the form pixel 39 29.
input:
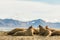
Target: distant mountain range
pixel 34 23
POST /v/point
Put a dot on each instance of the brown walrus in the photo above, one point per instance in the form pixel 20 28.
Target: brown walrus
pixel 46 27
pixel 29 32
pixel 54 31
pixel 43 31
pixel 15 30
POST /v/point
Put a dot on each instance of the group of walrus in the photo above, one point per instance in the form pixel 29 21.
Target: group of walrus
pixel 43 31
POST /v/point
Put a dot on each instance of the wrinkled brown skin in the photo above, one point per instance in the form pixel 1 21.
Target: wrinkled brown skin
pixel 29 32
pixel 49 29
pixel 36 32
pixel 43 31
pixel 15 30
pixel 54 31
pixel 33 30
pixel 19 33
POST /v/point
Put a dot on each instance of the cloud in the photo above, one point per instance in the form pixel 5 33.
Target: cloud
pixel 53 20
pixel 24 0
pixel 46 1
pixel 35 10
pixel 26 11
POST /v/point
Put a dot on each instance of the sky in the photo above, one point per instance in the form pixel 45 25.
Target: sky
pixel 27 10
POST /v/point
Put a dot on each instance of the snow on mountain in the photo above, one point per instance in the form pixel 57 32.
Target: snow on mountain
pixel 16 23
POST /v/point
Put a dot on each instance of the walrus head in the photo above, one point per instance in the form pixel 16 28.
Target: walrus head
pixel 46 27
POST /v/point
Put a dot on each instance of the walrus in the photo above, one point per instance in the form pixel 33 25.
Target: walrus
pixel 43 31
pixel 28 32
pixel 54 31
pixel 15 30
